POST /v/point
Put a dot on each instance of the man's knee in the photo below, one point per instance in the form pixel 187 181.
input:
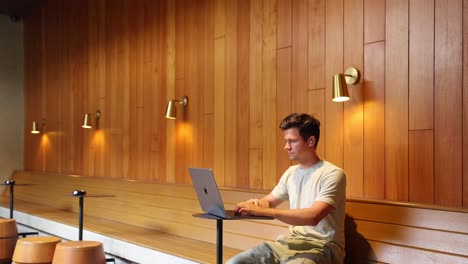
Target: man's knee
pixel 259 254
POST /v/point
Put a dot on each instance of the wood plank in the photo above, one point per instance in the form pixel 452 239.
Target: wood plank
pixel 415 237
pixel 421 64
pixel 219 100
pixel 269 94
pixel 220 18
pixel 316 45
pixel 421 166
pixel 448 103
pixel 388 253
pixel 374 116
pixel 333 124
pixel 299 57
pixel 256 95
pixel 396 100
pixel 465 104
pixel 283 105
pixel 284 23
pixel 374 21
pixel 180 32
pixel 408 214
pixel 230 149
pixel 243 95
pixel 353 134
pixel 170 90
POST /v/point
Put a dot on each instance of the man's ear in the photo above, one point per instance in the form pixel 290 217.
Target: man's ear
pixel 311 141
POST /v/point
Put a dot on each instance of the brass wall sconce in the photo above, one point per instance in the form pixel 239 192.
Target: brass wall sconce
pixel 171 107
pixel 340 89
pixel 37 128
pixel 87 122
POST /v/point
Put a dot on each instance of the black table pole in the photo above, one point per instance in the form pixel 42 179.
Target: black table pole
pixel 80 234
pixel 11 200
pixel 219 241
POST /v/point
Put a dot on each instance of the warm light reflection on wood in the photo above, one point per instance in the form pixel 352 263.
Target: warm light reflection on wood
pixel 184 132
pixel 98 139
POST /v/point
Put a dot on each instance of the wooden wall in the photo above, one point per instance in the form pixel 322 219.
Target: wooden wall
pixel 245 65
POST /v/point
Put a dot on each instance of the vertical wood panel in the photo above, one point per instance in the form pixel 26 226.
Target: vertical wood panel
pixel 170 90
pixel 269 94
pixel 284 23
pixel 448 99
pixel 220 18
pixel 353 109
pixel 465 103
pixel 139 134
pixel 374 21
pixel 243 87
pixel 155 80
pixel 208 86
pixel 316 45
pixel 374 122
pixel 283 106
pixel 54 51
pixel 194 113
pixel 219 97
pixel 396 101
pixel 33 91
pixel 421 167
pixel 230 172
pixel 256 95
pixel 299 55
pixel 421 64
pixel 333 123
pixel 93 147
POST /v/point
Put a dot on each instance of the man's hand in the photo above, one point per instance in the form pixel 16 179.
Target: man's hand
pixel 249 207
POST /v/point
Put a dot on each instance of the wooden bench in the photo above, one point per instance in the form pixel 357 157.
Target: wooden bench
pixel 159 217
pixel 392 232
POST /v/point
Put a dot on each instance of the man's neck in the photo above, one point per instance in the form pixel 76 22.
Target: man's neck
pixel 309 162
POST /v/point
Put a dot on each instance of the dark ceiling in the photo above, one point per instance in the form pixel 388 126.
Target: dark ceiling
pixel 17 8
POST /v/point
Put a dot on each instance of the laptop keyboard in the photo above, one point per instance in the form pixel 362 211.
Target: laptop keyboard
pixel 231 213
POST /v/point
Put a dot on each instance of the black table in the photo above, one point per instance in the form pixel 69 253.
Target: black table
pixel 219 229
pixel 219 234
pixel 81 194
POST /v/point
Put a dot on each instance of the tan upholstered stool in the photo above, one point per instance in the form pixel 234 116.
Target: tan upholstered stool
pixel 79 252
pixel 35 249
pixel 8 237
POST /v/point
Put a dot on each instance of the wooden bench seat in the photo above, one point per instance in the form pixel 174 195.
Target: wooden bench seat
pixel 159 217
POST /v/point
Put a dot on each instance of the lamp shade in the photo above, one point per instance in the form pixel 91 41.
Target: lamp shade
pixel 35 129
pixel 86 121
pixel 171 110
pixel 340 89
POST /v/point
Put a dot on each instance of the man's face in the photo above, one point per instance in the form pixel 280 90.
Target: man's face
pixel 294 144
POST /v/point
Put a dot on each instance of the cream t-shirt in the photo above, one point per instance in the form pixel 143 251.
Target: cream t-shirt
pixel 322 182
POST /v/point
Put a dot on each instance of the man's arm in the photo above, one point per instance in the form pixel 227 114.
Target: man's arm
pixel 306 216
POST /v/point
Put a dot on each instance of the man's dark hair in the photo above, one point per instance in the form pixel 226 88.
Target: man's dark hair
pixel 307 125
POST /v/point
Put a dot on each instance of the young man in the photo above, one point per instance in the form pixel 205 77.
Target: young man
pixel 316 191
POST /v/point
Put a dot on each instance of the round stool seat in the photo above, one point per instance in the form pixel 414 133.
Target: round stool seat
pixel 8 228
pixel 79 252
pixel 35 249
pixel 8 237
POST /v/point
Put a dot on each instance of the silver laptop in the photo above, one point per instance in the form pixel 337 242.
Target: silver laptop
pixel 203 181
